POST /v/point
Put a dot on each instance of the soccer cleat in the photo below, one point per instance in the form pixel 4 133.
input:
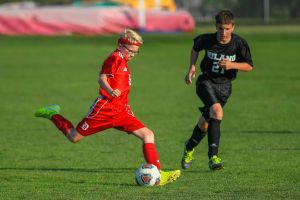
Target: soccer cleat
pixel 187 158
pixel 215 163
pixel 47 112
pixel 168 177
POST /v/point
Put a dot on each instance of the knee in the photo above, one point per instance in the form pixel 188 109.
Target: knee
pixel 74 140
pixel 217 111
pixel 203 125
pixel 74 136
pixel 148 136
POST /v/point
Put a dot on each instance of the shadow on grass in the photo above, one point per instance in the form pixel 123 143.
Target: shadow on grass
pixel 206 171
pixel 79 170
pixel 100 170
pixel 269 132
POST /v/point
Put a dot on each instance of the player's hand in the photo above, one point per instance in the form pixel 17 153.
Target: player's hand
pixel 190 75
pixel 225 64
pixel 115 93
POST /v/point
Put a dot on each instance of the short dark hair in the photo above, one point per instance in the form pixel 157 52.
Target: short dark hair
pixel 225 17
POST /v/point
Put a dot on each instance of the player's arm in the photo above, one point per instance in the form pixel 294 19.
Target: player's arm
pixel 242 66
pixel 192 69
pixel 246 63
pixel 105 85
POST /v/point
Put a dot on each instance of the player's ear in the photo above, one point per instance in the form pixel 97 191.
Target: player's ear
pixel 233 26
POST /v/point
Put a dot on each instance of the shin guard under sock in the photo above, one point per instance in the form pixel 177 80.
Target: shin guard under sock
pixel 151 155
pixel 213 136
pixel 195 139
pixel 62 124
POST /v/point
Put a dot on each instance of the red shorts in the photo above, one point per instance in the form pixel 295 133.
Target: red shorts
pixel 105 114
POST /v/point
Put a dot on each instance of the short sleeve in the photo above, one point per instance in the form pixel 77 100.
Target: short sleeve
pixel 110 65
pixel 198 43
pixel 245 53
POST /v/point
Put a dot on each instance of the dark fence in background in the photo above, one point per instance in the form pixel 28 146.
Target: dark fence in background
pixel 247 11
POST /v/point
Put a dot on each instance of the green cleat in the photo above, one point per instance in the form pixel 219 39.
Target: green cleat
pixel 168 177
pixel 187 158
pixel 215 163
pixel 47 112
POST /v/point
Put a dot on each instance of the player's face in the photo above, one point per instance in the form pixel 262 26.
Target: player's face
pixel 224 32
pixel 129 51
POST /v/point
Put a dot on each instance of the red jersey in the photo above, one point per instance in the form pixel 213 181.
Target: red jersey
pixel 106 111
pixel 118 73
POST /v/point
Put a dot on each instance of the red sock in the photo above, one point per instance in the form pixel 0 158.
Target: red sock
pixel 151 155
pixel 62 124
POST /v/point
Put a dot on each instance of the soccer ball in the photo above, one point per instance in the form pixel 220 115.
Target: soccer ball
pixel 147 175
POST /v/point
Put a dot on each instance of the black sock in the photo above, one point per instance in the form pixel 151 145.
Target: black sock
pixel 195 139
pixel 213 136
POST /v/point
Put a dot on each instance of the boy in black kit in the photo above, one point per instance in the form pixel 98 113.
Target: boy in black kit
pixel 225 54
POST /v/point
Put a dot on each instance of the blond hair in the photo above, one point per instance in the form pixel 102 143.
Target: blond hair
pixel 131 36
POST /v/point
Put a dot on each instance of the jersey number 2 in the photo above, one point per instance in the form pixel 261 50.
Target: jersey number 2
pixel 216 68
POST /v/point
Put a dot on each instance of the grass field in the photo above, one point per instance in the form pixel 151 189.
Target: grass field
pixel 260 131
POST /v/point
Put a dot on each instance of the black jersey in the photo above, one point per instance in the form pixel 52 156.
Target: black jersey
pixel 236 50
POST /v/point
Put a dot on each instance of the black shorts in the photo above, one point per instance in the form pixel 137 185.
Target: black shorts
pixel 211 93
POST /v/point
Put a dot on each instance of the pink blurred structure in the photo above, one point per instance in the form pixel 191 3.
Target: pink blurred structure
pixel 89 20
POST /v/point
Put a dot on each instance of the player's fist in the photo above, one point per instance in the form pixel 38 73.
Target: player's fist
pixel 225 64
pixel 115 93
